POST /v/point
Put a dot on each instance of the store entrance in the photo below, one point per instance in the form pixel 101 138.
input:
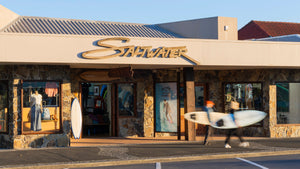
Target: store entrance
pixel 96 109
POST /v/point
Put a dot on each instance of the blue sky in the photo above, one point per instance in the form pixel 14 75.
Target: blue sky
pixel 158 11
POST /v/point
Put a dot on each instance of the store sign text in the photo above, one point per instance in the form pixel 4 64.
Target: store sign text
pixel 135 51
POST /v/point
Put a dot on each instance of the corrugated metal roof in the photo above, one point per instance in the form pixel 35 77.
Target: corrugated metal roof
pixel 284 38
pixel 43 25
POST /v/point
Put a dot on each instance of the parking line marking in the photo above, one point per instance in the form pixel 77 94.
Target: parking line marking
pixel 252 163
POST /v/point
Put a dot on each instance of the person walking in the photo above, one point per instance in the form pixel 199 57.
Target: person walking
pixel 208 129
pixel 238 131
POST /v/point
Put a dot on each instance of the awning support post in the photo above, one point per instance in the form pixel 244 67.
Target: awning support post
pixel 189 102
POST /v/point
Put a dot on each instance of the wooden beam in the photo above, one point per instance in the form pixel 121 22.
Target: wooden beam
pixel 189 102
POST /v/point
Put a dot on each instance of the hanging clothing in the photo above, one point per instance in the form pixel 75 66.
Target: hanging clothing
pixel 36 112
pixel 51 89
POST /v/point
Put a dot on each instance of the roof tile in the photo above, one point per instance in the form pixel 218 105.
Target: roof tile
pixel 263 29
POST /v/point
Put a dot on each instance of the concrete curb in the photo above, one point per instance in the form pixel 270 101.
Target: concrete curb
pixel 152 160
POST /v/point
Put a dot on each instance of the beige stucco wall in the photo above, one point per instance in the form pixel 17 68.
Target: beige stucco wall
pixel 205 28
pixel 227 28
pixel 211 54
pixel 6 17
pixel 294 113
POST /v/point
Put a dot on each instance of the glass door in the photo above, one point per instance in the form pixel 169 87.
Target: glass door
pixel 96 109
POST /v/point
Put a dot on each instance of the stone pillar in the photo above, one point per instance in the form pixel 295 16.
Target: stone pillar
pixel 66 98
pixel 148 114
pixel 15 114
pixel 189 102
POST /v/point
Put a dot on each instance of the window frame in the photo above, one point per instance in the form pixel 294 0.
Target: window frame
pixel 196 84
pixel 205 94
pixel 60 130
pixel 278 124
pixel 259 124
pixel 155 102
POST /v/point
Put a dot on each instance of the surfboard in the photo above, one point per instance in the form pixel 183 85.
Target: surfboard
pixel 76 118
pixel 103 90
pixel 243 118
pixel 201 117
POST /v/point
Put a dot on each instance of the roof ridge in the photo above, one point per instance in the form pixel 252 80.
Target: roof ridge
pixel 11 23
pixel 35 24
pixel 276 22
pixel 84 20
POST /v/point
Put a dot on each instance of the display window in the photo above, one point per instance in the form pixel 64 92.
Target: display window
pixel 287 102
pixel 126 99
pixel 3 107
pixel 248 95
pixel 41 106
pixel 166 107
pixel 200 96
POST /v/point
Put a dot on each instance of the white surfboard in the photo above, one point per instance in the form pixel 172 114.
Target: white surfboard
pixel 201 117
pixel 242 118
pixel 76 118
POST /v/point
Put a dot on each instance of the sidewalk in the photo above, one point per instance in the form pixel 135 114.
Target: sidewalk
pixel 118 151
pixel 87 142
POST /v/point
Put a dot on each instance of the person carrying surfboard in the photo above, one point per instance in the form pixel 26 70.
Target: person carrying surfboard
pixel 234 105
pixel 208 129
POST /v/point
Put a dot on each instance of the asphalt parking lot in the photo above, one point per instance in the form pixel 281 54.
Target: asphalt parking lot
pixel 142 153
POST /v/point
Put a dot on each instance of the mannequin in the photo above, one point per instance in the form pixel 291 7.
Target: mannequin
pixel 249 96
pixel 36 111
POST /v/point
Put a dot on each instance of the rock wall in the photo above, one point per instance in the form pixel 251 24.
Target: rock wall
pixel 6 139
pixel 143 123
pixel 215 80
pixel 268 78
pixel 15 74
pixel 280 130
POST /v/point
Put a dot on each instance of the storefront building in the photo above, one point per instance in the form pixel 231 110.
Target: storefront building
pixel 136 80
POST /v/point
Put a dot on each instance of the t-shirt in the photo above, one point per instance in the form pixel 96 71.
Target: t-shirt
pixel 36 99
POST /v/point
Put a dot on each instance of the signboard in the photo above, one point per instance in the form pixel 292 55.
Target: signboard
pixel 136 51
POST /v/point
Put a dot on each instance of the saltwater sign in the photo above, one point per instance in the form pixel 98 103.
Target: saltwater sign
pixel 136 51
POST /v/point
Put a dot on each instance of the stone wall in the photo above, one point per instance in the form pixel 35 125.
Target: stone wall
pixel 143 123
pixel 15 74
pixel 281 130
pixel 132 126
pixel 268 77
pixel 6 140
pixel 215 80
